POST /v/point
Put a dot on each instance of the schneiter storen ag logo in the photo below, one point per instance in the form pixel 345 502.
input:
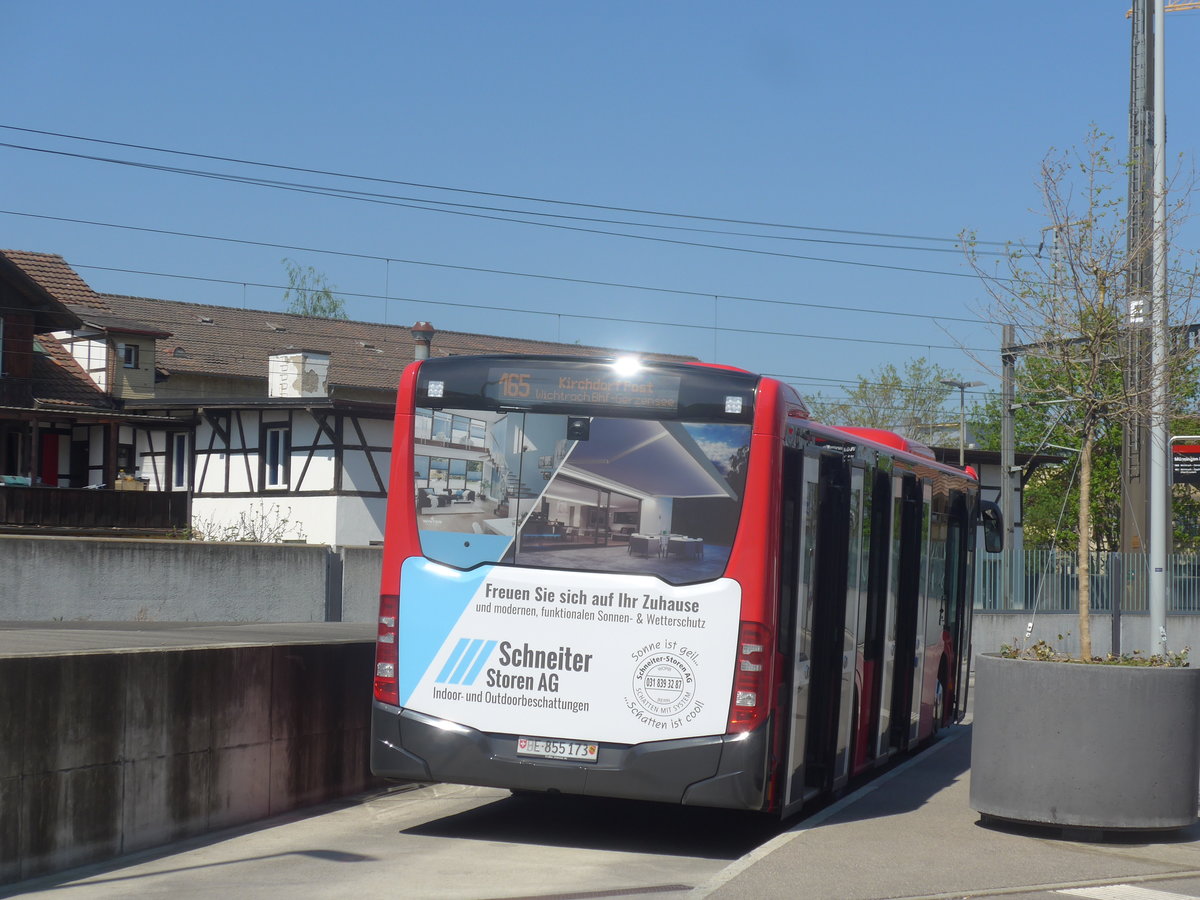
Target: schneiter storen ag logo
pixel 664 683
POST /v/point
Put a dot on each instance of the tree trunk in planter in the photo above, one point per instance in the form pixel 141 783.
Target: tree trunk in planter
pixel 1085 746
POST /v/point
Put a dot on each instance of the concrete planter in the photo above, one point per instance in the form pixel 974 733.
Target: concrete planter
pixel 1086 746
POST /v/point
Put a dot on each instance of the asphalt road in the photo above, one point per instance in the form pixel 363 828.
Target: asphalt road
pixel 908 834
pixel 440 841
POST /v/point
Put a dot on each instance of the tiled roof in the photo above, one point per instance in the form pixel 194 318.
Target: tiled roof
pixel 457 343
pixel 51 272
pixel 59 380
pixel 226 341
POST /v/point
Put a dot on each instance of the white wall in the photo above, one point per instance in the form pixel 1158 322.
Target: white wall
pixel 656 515
pixel 336 521
pixel 360 521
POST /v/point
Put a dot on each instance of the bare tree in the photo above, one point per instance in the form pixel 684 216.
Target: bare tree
pixel 1076 324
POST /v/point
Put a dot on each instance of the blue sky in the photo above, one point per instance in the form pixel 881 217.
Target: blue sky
pixel 917 119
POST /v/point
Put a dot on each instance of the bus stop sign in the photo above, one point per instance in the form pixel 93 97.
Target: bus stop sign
pixel 1185 464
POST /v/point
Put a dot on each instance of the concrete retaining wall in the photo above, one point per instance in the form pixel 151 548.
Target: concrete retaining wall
pixel 362 569
pixel 119 752
pixel 106 579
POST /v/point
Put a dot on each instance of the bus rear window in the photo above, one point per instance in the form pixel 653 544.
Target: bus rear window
pixel 629 495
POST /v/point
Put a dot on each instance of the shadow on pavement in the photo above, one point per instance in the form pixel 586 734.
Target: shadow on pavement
pixel 605 824
pixel 925 774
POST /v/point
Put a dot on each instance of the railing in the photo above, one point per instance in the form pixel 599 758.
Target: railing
pixel 81 509
pixel 1048 580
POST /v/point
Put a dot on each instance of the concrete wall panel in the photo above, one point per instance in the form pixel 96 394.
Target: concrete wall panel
pixel 98 579
pixel 12 830
pixel 241 678
pixel 75 713
pixel 241 786
pixel 70 818
pixel 166 798
pixel 14 707
pixel 124 751
pixel 360 583
pixel 170 701
pixel 165 581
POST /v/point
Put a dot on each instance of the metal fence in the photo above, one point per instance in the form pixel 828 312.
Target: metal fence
pixel 1048 580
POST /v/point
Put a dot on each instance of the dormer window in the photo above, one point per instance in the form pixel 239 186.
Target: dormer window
pixel 129 355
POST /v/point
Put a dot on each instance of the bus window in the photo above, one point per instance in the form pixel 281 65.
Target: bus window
pixel 639 496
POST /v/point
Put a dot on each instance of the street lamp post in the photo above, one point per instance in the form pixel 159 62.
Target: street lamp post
pixel 962 415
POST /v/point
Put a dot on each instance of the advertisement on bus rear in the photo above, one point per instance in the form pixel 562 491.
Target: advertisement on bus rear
pixel 571 655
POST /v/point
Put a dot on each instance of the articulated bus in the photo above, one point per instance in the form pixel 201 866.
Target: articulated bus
pixel 660 581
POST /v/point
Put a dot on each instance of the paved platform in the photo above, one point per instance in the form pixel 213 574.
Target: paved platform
pixel 50 638
pixel 912 834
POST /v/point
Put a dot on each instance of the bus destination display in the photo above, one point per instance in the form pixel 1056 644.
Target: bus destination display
pixel 533 387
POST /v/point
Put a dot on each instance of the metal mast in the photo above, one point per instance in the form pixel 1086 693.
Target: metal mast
pixel 1136 442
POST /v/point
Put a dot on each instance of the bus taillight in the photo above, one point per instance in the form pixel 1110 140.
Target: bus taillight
pixel 751 698
pixel 387 688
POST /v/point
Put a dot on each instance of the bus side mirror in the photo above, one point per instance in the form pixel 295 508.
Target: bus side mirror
pixel 993 526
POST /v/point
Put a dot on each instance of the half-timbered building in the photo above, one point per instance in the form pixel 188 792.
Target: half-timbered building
pixel 271 425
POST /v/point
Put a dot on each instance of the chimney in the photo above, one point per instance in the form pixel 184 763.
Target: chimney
pixel 422 333
pixel 298 373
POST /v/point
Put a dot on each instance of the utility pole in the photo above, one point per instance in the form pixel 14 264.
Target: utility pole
pixel 1135 440
pixel 1008 461
pixel 1135 445
pixel 962 414
pixel 1160 491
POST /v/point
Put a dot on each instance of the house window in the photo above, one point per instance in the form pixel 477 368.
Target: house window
pixel 179 461
pixel 125 458
pixel 129 355
pixel 2 372
pixel 275 457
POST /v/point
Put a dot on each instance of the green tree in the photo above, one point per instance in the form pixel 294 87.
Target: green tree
pixel 1073 319
pixel 309 293
pixel 1050 494
pixel 911 401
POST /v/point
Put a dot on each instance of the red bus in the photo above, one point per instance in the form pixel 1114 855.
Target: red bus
pixel 660 581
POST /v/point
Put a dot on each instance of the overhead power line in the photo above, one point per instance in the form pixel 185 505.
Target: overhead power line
pixel 558 314
pixel 498 195
pixel 511 217
pixel 428 205
pixel 414 262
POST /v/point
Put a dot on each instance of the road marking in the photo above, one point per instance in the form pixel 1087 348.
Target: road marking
pixel 1124 892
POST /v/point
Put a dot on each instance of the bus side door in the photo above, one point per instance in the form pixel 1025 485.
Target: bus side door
pixel 798 557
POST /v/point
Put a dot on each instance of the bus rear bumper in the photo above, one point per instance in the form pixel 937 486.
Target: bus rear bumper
pixel 723 771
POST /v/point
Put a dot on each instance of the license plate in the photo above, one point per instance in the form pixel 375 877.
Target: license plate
pixel 547 749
